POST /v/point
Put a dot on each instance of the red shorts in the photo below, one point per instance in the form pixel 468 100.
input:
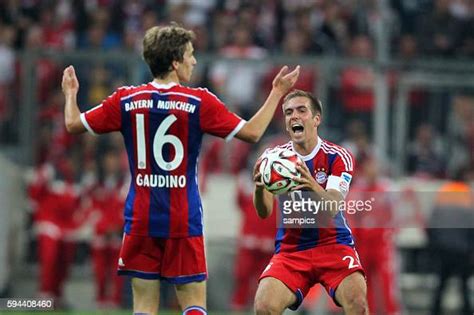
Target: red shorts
pixel 175 260
pixel 327 265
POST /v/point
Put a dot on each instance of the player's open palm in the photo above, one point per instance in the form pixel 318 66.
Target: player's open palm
pixel 285 80
pixel 70 84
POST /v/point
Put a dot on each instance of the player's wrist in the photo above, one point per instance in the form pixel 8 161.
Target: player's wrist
pixel 278 92
pixel 70 95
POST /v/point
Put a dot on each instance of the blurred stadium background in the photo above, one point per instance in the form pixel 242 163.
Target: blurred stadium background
pixel 396 79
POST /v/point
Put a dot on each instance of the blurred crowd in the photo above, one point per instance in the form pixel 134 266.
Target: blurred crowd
pixel 440 27
pixel 251 30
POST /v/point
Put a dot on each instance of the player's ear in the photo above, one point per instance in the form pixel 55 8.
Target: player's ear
pixel 317 119
pixel 175 65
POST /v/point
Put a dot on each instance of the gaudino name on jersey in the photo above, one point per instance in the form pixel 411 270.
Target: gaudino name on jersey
pixel 169 181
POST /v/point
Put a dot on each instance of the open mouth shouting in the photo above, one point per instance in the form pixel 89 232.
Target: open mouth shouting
pixel 297 128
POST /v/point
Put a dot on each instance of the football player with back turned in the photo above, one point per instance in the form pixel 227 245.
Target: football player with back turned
pixel 162 123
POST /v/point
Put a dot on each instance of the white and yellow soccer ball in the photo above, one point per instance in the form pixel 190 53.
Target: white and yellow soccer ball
pixel 277 168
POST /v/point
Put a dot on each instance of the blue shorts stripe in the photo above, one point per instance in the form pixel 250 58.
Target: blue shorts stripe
pixel 299 300
pixel 139 274
pixel 185 279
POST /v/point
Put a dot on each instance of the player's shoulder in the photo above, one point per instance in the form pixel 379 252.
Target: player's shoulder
pixel 204 92
pixel 340 153
pixel 194 93
pixel 330 147
pixel 128 90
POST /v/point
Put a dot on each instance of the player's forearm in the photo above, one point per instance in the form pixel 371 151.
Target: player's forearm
pixel 263 202
pixel 72 115
pixel 253 130
pixel 333 199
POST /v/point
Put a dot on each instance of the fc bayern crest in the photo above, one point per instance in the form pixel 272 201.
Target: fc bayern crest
pixel 321 176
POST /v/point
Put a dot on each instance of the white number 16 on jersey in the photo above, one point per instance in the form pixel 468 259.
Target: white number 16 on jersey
pixel 159 140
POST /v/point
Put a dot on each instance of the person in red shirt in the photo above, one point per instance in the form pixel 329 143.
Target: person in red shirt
pixel 254 245
pixel 374 232
pixel 56 200
pixel 162 123
pixel 107 202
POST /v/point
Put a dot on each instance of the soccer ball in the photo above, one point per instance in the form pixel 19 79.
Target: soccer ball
pixel 277 167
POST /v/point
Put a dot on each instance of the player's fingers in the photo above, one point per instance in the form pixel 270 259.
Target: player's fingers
pixel 282 71
pixel 303 170
pixel 69 72
pixel 257 178
pixel 293 74
pixel 305 167
pixel 298 187
pixel 298 179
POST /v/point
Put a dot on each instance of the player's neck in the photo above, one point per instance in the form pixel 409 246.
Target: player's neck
pixel 307 147
pixel 172 77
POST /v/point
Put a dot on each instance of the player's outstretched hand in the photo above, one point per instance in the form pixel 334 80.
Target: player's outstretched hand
pixel 305 181
pixel 284 81
pixel 70 84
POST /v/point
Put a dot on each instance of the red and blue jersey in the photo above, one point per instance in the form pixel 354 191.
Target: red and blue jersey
pixel 162 126
pixel 332 167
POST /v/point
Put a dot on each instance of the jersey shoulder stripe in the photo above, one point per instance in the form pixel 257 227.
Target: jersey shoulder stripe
pixel 138 93
pixel 345 156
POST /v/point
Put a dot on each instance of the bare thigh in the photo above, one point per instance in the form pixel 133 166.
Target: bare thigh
pixel 352 294
pixel 273 297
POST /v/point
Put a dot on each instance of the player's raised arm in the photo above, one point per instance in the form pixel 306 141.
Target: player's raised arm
pixel 253 130
pixel 70 86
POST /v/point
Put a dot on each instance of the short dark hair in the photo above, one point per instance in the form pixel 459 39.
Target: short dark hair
pixel 316 105
pixel 164 44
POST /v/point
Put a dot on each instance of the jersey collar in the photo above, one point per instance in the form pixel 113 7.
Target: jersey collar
pixel 163 86
pixel 312 154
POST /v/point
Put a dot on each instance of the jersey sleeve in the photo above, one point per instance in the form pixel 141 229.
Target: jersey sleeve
pixel 341 172
pixel 216 119
pixel 105 117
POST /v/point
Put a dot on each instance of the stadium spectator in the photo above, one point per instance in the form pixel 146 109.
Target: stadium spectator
pixel 107 202
pixel 230 78
pixel 357 81
pixel 459 132
pixel 294 44
pixel 254 245
pixel 425 157
pixel 333 35
pixel 449 233
pixel 7 74
pixel 55 196
pixel 374 232
pixel 439 32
